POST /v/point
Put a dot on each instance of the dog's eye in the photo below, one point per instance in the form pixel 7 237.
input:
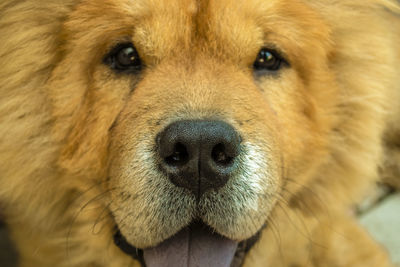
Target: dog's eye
pixel 123 57
pixel 268 59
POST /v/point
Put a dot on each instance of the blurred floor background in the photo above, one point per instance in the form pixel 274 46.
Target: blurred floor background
pixel 382 220
pixel 380 214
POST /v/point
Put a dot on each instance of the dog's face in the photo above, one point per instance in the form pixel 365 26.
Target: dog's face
pixel 194 111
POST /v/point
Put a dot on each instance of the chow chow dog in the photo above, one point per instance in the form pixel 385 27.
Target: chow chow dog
pixel 196 133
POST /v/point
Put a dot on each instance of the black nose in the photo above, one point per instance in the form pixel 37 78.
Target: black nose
pixel 198 154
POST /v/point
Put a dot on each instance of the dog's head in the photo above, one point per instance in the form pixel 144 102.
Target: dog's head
pixel 193 112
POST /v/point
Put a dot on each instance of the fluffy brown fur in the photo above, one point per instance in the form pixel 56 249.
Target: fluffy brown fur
pixel 76 139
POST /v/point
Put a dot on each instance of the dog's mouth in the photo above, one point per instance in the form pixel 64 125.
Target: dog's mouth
pixel 195 245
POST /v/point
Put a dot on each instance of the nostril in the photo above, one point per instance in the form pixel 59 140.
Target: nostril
pixel 220 156
pixel 179 156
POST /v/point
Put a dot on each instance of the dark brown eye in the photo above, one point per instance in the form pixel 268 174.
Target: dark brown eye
pixel 268 60
pixel 124 57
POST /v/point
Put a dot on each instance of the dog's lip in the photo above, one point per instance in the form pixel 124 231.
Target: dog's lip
pixel 208 248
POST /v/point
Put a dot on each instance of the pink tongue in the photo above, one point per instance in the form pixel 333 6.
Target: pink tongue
pixel 192 247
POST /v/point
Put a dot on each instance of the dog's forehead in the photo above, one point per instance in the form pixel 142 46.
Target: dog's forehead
pixel 184 25
pixel 221 29
pixel 195 7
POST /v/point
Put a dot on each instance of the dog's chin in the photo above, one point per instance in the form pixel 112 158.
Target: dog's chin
pixel 194 245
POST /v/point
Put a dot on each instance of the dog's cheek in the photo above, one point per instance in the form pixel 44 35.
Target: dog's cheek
pixel 98 101
pixel 304 117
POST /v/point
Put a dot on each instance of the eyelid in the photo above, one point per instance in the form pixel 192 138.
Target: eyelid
pixel 279 53
pixel 116 48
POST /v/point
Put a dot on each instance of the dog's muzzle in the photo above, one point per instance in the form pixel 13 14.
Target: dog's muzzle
pixel 200 156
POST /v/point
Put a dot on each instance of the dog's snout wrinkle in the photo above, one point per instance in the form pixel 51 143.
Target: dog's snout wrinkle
pixel 198 154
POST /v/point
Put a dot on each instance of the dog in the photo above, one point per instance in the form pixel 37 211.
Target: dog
pixel 196 132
